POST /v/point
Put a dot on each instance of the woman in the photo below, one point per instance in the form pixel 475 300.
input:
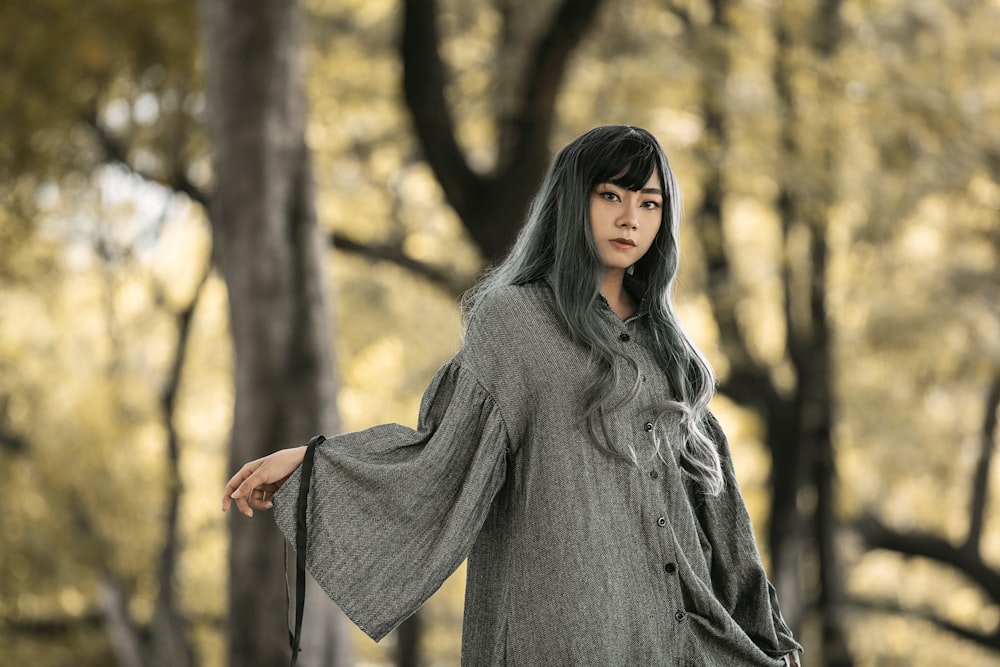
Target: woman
pixel 567 451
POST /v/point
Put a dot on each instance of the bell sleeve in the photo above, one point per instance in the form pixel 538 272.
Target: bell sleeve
pixel 393 511
pixel 739 580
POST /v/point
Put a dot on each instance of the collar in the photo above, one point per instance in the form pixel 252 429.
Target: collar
pixel 636 288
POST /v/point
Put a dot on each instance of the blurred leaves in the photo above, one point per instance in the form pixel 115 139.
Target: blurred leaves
pixel 94 262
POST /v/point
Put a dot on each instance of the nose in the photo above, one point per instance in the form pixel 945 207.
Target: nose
pixel 629 220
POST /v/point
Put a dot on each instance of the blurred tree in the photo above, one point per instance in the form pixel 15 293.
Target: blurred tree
pixel 66 71
pixel 171 644
pixel 869 149
pixel 493 205
pixel 937 169
pixel 269 250
pixel 107 408
pixel 806 195
pixel 965 557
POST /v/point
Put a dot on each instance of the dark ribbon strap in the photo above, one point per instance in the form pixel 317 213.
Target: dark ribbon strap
pixel 295 638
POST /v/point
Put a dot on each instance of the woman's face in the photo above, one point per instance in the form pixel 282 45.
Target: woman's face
pixel 625 222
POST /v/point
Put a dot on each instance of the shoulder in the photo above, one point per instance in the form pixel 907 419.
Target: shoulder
pixel 511 306
pixel 511 319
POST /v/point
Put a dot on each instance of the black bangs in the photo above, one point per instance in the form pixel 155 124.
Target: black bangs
pixel 628 162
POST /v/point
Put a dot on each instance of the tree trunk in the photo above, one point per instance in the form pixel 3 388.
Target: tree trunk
pixel 808 325
pixel 267 247
pixel 408 641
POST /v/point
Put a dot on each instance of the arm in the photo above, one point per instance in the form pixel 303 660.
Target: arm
pixel 393 510
pixel 739 581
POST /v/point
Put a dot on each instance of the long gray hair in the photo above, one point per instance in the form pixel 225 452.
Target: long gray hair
pixel 557 242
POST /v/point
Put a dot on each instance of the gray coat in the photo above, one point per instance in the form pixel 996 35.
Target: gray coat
pixel 574 558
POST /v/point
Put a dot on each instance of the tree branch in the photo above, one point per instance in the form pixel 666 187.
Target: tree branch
pixel 991 640
pixel 981 477
pixel 394 254
pixel 526 129
pixel 681 13
pixel 965 558
pixel 537 109
pixel 828 27
pixel 12 442
pixel 126 636
pixel 54 627
pixel 115 151
pixel 169 625
pixel 125 640
pixel 90 621
pixel 748 382
pixel 424 84
pixel 490 206
pixel 183 317
pixel 916 543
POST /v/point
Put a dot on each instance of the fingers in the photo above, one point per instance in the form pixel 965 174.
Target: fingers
pixel 249 490
pixel 261 499
pixel 235 482
pixel 244 493
pixel 242 486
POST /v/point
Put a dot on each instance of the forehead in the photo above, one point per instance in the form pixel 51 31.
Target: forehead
pixel 629 181
pixel 631 169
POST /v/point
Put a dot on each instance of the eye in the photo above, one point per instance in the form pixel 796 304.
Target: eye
pixel 652 204
pixel 609 196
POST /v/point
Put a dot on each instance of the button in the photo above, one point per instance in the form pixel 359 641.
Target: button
pixel 624 337
pixel 648 426
pixel 670 568
pixel 654 474
pixel 661 522
pixel 680 616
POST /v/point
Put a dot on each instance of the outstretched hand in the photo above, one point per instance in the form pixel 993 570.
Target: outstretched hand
pixel 254 485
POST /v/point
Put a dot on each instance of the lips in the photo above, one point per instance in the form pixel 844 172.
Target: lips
pixel 623 243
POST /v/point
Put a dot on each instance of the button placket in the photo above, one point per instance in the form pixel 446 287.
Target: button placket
pixel 659 496
pixel 664 553
pixel 667 554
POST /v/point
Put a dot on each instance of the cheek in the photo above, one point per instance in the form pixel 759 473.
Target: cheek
pixel 654 231
pixel 650 240
pixel 593 217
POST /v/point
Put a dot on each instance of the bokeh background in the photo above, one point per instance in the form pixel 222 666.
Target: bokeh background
pixel 226 226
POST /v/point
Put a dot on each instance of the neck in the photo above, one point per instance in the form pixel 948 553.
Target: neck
pixel 613 289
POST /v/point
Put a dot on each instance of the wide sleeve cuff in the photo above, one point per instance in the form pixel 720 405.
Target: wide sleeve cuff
pixel 393 511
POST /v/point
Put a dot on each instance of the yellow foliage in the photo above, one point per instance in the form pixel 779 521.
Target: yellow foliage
pixel 893 132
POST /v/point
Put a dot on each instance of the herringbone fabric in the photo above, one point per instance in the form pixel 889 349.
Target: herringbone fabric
pixel 575 558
